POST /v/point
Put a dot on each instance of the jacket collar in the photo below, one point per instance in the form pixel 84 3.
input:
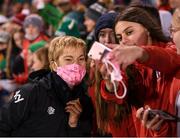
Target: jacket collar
pixel 62 90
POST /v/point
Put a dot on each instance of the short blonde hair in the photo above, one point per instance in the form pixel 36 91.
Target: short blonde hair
pixel 58 44
pixel 176 18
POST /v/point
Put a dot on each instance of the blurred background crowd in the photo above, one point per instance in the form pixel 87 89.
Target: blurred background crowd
pixel 27 27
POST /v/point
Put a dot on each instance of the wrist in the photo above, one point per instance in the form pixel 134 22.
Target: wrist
pixel 143 55
pixel 73 124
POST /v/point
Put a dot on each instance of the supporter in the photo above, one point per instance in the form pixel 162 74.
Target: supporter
pixel 112 118
pixel 33 26
pixel 4 43
pixel 57 104
pixel 133 33
pixel 91 16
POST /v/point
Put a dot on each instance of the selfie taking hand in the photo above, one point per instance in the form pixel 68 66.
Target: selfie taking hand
pixel 74 108
pixel 127 55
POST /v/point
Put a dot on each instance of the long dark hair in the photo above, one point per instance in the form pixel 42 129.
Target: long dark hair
pixel 141 16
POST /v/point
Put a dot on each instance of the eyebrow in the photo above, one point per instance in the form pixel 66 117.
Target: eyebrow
pixel 125 29
pixel 81 56
pixel 69 56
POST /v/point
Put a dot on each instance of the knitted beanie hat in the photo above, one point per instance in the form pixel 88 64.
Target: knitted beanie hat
pixel 68 27
pixel 35 20
pixel 18 18
pixel 95 11
pixel 105 21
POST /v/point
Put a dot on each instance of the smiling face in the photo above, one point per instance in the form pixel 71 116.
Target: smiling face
pixel 175 30
pixel 89 23
pixel 131 33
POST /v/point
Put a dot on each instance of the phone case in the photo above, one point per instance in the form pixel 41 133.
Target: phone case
pixel 98 51
pixel 163 114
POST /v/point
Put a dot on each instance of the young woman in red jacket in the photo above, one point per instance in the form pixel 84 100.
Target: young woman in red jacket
pixel 108 118
pixel 143 45
pixel 172 82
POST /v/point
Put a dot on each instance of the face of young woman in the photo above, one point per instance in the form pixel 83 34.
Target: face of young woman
pixel 106 36
pixel 37 64
pixel 90 24
pixel 174 3
pixel 175 33
pixel 72 56
pixel 18 38
pixel 131 33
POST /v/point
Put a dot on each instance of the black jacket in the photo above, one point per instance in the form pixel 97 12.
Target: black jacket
pixel 38 109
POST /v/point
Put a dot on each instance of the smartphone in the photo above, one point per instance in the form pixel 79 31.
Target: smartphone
pixel 163 114
pixel 98 51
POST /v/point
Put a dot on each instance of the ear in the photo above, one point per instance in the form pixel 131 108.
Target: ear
pixel 53 66
pixel 149 41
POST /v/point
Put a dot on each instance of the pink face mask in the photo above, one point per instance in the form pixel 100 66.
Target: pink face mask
pixel 72 74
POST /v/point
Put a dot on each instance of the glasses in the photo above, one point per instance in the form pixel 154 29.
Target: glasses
pixel 174 29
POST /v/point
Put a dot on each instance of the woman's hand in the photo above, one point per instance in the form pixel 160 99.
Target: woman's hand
pixel 74 108
pixel 127 55
pixel 153 123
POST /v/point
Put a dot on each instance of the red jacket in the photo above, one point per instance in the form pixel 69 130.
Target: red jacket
pixel 126 127
pixel 167 62
pixel 22 78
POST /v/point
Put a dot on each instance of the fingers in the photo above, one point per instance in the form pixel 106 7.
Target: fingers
pixel 145 116
pixel 150 122
pixel 74 107
pixel 139 113
pixel 157 126
pixel 154 122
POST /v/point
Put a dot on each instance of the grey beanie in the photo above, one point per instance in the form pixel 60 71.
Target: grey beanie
pixel 34 20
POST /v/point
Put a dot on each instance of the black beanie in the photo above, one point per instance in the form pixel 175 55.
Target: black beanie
pixel 107 20
pixel 95 11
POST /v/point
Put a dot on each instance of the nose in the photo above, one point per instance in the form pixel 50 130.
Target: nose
pixel 124 40
pixel 107 39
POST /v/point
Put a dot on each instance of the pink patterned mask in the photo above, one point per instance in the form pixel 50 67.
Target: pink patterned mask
pixel 72 74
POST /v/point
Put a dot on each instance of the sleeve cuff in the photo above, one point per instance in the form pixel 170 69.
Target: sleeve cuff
pixel 107 96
